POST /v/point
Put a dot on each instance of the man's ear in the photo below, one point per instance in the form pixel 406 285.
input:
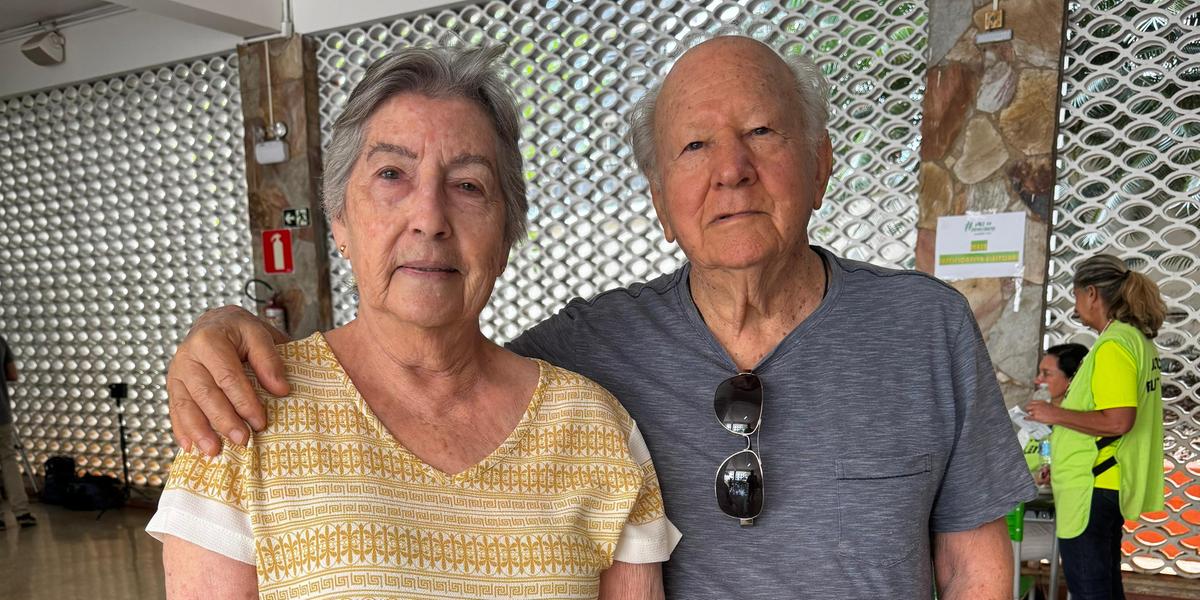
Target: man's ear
pixel 660 209
pixel 824 156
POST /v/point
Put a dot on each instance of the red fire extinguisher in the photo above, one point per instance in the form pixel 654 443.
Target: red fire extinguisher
pixel 276 314
pixel 272 310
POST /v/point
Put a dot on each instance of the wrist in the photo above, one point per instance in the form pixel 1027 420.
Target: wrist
pixel 1052 415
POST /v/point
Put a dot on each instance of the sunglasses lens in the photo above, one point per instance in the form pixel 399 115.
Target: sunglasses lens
pixel 740 485
pixel 739 402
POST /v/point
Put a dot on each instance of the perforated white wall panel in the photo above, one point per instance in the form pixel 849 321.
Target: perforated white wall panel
pixel 122 217
pixel 1128 185
pixel 577 67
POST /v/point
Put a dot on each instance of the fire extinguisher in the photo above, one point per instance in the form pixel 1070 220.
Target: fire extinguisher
pixel 275 313
pixel 272 310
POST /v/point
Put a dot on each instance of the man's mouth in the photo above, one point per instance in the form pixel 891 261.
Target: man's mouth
pixel 730 216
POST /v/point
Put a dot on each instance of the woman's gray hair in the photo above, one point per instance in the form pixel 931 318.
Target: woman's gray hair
pixel 812 92
pixel 436 73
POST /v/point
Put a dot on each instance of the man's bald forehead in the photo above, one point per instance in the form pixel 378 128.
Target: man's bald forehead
pixel 724 57
pixel 728 46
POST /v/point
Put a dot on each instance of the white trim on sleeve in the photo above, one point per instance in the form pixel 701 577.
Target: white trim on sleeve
pixel 206 523
pixel 647 543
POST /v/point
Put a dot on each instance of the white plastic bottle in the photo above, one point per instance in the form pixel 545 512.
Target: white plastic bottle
pixel 1039 431
pixel 1042 393
pixel 1044 465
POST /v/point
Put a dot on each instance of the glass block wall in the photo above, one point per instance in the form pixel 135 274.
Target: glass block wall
pixel 122 217
pixel 577 68
pixel 1129 185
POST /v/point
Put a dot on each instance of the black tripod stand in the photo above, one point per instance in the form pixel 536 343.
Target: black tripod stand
pixel 119 392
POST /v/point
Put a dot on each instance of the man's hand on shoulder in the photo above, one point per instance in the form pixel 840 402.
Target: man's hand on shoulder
pixel 207 387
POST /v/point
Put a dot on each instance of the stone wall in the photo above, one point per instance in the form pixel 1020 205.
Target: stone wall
pixel 988 146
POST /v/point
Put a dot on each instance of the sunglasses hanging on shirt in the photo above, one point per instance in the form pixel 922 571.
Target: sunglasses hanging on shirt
pixel 739 482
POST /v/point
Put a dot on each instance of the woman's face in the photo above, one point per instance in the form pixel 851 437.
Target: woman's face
pixel 424 219
pixel 1050 374
pixel 1090 308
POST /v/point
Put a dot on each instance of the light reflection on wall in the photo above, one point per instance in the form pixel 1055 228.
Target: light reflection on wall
pixel 122 217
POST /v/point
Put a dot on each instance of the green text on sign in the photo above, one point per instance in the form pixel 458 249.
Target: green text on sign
pixel 978 258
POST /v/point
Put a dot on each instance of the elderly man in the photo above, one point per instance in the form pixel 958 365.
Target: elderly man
pixel 872 449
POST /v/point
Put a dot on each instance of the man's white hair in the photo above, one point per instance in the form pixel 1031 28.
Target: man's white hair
pixel 812 91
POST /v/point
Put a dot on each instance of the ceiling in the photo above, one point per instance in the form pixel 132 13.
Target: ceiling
pixel 19 13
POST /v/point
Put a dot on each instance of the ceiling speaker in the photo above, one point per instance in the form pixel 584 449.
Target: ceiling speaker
pixel 46 48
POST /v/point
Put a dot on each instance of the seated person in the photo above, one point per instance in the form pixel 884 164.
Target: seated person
pixel 413 457
pixel 1056 370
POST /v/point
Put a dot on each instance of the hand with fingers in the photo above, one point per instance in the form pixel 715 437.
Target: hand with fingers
pixel 206 383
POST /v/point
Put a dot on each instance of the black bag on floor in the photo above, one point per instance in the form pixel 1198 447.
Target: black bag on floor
pixel 95 492
pixel 60 476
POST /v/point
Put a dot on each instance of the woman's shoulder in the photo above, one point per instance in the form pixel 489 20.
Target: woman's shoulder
pixel 569 395
pixel 312 371
pixel 309 353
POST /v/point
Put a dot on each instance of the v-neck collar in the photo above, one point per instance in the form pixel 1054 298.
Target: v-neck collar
pixel 498 455
pixel 687 305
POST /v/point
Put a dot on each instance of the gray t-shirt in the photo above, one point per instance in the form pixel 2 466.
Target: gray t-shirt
pixel 5 358
pixel 882 422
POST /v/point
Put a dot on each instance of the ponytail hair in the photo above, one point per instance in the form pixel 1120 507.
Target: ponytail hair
pixel 1130 297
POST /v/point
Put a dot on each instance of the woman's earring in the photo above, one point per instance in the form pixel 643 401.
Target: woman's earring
pixel 342 250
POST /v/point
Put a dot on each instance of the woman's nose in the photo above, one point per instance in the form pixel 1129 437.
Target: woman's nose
pixel 428 216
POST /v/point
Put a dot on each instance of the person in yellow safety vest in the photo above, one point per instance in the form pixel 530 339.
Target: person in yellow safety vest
pixel 1056 369
pixel 1106 448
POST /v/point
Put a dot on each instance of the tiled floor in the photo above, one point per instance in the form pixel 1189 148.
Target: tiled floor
pixel 73 555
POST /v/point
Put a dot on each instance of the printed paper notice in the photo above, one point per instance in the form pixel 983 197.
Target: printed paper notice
pixel 980 246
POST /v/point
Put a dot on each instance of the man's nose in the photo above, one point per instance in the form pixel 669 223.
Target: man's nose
pixel 735 165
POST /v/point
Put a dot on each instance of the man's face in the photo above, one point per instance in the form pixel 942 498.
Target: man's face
pixel 738 179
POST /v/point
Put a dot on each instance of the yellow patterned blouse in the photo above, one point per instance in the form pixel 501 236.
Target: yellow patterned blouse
pixel 326 504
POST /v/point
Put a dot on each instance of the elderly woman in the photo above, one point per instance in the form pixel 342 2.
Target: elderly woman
pixel 1107 445
pixel 413 457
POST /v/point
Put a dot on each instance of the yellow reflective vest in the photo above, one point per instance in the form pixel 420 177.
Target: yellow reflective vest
pixel 1140 450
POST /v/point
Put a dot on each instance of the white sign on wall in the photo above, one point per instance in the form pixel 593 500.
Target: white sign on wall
pixel 980 246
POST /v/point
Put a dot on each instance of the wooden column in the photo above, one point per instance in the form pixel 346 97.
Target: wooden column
pixel 292 184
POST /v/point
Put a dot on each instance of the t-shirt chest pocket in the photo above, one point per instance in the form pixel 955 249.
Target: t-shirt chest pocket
pixel 883 506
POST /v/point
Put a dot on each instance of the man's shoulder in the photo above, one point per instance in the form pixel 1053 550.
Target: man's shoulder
pixel 618 299
pixel 869 282
pixel 617 304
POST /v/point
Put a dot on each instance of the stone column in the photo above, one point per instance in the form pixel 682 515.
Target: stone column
pixel 988 133
pixel 294 183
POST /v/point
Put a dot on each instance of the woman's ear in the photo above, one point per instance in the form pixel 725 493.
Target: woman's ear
pixel 341 238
